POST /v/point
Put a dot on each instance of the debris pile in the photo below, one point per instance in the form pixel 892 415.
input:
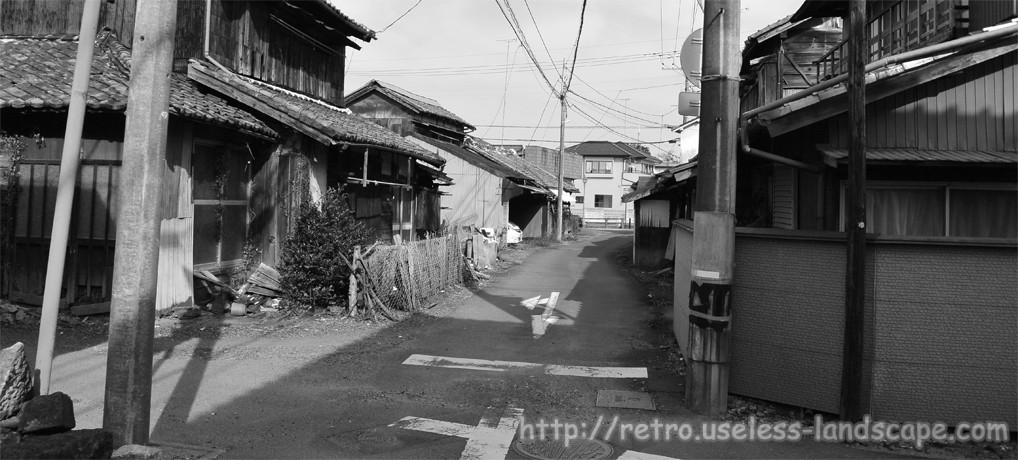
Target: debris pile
pixel 259 294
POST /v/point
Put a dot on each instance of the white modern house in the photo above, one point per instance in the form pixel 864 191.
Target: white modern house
pixel 609 171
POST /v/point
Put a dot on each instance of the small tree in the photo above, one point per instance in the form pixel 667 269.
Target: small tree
pixel 312 273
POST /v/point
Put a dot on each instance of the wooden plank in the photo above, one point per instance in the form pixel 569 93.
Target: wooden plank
pixel 970 107
pixel 921 116
pixel 91 309
pixel 1009 102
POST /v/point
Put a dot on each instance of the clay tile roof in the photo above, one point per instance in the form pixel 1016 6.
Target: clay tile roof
pixel 317 119
pixel 37 73
pixel 412 101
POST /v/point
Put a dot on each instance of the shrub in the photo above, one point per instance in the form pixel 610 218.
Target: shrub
pixel 312 273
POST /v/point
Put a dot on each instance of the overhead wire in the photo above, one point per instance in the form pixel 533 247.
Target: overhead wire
pixel 540 35
pixel 576 48
pixel 521 36
pixel 400 17
pixel 505 91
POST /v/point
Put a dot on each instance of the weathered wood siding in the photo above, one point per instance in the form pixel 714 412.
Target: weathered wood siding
pixel 969 110
pixel 40 17
pixel 653 228
pixel 248 38
pixel 985 13
pixel 385 112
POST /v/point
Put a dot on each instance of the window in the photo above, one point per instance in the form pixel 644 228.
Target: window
pixel 602 201
pixel 579 199
pixel 220 181
pixel 942 210
pixel 599 167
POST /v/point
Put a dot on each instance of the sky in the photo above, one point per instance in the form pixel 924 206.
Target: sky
pixel 465 55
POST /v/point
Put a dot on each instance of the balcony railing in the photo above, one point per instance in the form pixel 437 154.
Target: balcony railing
pixel 905 26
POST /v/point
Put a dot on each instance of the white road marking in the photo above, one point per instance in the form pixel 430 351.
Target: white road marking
pixel 539 323
pixel 634 455
pixel 434 426
pixel 550 369
pixel 550 307
pixel 491 438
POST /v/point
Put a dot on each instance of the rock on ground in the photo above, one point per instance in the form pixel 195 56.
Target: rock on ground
pixel 71 444
pixel 52 413
pixel 137 452
pixel 16 376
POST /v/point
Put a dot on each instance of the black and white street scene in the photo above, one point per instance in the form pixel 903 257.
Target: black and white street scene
pixel 508 229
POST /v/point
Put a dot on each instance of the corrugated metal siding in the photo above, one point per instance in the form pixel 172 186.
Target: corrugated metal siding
pixel 783 197
pixel 175 264
pixel 985 13
pixel 683 270
pixel 973 109
pixel 911 154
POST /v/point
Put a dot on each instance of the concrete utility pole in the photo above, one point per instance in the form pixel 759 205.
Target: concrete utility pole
pixel 132 313
pixel 855 208
pixel 710 304
pixel 65 194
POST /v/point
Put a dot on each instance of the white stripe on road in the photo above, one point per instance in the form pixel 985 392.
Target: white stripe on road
pixel 550 369
pixel 493 436
pixel 634 455
pixel 550 307
pixel 434 426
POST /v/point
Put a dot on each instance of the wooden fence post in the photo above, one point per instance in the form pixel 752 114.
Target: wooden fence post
pixel 351 299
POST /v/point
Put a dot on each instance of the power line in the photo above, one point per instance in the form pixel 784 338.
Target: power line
pixel 510 17
pixel 400 17
pixel 499 68
pixel 520 139
pixel 539 35
pixel 473 55
pixel 576 48
pixel 606 97
pixel 570 126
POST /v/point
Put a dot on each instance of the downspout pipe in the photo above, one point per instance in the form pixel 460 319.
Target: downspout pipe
pixel 768 155
pixel 928 51
pixel 208 33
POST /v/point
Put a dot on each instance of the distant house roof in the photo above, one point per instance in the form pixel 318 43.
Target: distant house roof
pixel 469 156
pixel 610 149
pixel 520 167
pixel 38 72
pixel 317 119
pixel 923 155
pixel 415 102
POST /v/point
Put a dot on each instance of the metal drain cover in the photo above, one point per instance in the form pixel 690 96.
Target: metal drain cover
pixel 549 449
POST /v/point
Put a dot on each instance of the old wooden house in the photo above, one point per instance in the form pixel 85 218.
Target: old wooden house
pixel 657 201
pixel 942 213
pixel 491 186
pixel 256 126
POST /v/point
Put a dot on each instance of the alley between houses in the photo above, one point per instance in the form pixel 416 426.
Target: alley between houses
pixel 403 391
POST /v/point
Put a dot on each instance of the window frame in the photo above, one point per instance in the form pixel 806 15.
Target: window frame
pixel 944 186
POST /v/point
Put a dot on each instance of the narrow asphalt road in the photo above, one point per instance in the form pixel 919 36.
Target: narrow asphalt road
pixel 336 394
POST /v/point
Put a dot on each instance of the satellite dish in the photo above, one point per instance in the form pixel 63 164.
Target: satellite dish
pixel 691 57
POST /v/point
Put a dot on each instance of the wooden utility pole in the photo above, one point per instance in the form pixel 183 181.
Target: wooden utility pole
pixel 855 207
pixel 561 156
pixel 132 313
pixel 65 194
pixel 710 291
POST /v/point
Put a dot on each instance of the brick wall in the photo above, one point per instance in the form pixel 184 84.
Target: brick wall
pixel 941 324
